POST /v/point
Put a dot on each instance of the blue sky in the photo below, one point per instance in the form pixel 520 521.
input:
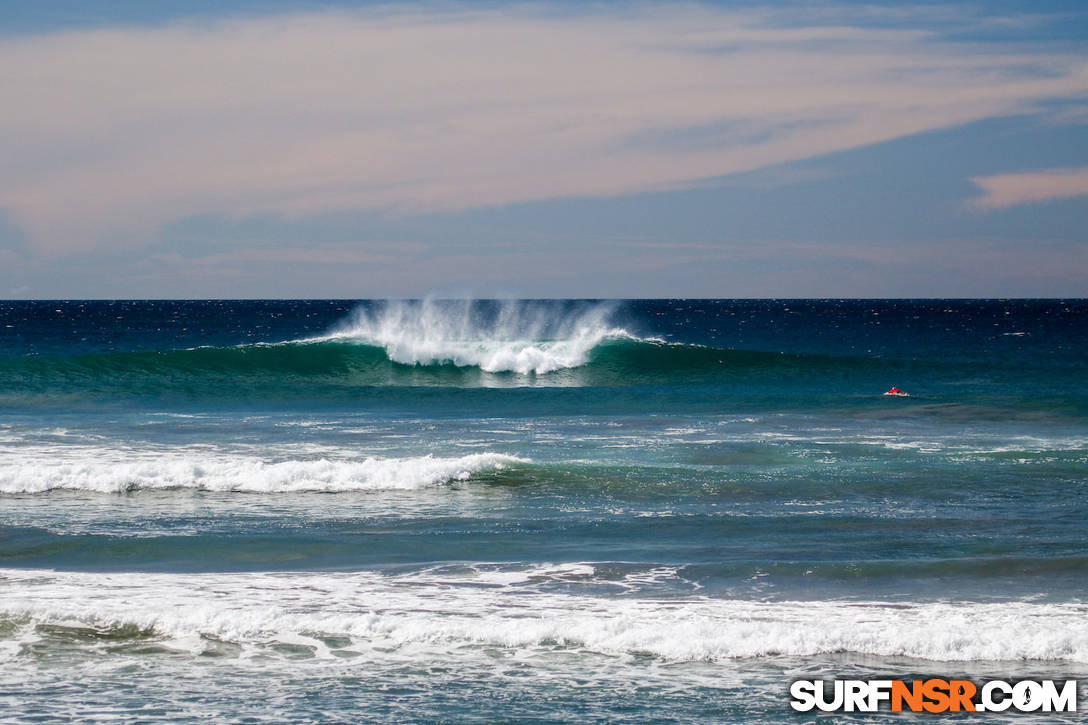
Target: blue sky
pixel 339 149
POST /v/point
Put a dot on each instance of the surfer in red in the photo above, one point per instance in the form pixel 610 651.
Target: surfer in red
pixel 897 391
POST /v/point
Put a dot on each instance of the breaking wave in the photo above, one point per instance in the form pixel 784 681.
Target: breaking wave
pixel 409 344
pixel 100 474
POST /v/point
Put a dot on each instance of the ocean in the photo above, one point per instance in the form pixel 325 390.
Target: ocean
pixel 567 511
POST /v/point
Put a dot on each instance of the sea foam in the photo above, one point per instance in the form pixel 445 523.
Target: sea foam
pixel 502 336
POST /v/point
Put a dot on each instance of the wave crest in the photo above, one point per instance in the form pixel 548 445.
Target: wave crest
pixel 495 336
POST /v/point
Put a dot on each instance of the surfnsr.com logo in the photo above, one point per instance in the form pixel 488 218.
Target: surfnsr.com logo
pixel 934 695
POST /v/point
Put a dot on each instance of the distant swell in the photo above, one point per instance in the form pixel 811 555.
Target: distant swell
pixel 242 474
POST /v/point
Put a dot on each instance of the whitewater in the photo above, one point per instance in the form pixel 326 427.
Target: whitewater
pixel 490 605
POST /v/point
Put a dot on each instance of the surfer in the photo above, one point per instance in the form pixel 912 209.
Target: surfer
pixel 897 392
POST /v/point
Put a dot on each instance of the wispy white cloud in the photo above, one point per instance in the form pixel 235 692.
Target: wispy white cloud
pixel 107 135
pixel 1004 190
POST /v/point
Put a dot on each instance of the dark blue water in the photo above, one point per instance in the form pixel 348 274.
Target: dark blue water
pixel 535 511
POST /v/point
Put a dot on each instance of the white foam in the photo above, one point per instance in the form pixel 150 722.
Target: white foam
pixel 420 615
pixel 105 472
pixel 521 337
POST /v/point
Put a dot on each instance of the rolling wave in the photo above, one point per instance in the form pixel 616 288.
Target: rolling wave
pixel 291 368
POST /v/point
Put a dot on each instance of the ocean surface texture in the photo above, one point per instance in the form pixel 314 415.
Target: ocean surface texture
pixel 540 512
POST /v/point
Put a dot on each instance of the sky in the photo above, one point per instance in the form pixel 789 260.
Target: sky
pixel 244 149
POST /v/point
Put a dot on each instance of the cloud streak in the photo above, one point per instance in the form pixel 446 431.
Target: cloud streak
pixel 1005 190
pixel 108 135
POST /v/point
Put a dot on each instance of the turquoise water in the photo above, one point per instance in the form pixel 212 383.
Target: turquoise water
pixel 536 511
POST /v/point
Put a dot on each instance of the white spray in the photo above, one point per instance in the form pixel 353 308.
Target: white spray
pixel 503 336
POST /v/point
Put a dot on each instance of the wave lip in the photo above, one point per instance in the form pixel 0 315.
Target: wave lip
pixel 508 336
pixel 236 473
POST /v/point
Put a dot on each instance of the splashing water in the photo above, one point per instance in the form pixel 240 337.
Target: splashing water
pixel 496 336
